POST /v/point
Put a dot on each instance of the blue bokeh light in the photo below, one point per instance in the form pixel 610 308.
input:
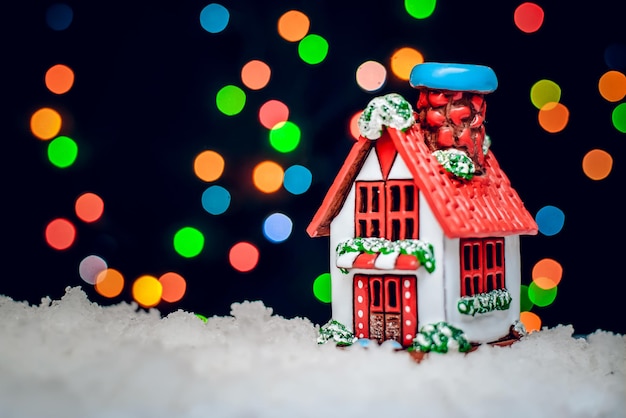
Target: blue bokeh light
pixel 277 227
pixel 59 16
pixel 215 200
pixel 550 220
pixel 214 18
pixel 297 179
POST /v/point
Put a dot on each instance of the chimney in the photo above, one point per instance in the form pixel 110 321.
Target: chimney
pixel 451 106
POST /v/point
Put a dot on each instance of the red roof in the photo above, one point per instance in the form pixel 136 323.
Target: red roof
pixel 484 206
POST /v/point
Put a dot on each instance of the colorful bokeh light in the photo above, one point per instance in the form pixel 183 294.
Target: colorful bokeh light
pixel 528 17
pixel 403 60
pixel 545 94
pixel 208 165
pixel 420 9
pixel 277 227
pixel 214 18
pixel 216 200
pixel 612 86
pixel 59 16
pixel 285 136
pixel 293 25
pixel 550 220
pixel 525 302
pixel 313 49
pixel 243 256
pixel 62 151
pixel 322 288
pixel 353 127
pixel 147 291
pixel 255 74
pixel 59 79
pixel 553 117
pixel 531 321
pixel 273 112
pixel 60 233
pixel 371 76
pixel 297 179
pixel 45 123
pixel 547 273
pixel 597 164
pixel 90 267
pixel 89 207
pixel 174 287
pixel 109 283
pixel 615 56
pixel 618 116
pixel 268 176
pixel 188 242
pixel 230 100
pixel 541 297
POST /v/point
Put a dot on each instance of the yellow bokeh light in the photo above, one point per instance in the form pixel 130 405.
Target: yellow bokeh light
pixel 147 291
pixel 208 165
pixel 597 164
pixel 612 86
pixel 267 176
pixel 545 94
pixel 553 117
pixel 45 123
pixel 403 60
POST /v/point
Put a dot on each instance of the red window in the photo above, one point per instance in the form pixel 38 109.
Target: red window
pixel 386 209
pixel 482 265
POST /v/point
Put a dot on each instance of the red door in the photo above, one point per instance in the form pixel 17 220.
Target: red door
pixel 385 307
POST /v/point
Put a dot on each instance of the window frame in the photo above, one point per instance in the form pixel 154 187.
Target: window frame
pixel 482 265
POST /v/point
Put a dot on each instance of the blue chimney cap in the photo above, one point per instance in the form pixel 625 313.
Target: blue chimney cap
pixel 455 77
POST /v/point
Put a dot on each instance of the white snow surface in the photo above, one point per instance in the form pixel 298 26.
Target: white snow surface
pixel 74 358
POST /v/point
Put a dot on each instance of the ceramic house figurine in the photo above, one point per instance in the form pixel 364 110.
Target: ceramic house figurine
pixel 424 225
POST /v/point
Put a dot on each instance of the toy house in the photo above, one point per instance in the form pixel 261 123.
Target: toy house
pixel 424 225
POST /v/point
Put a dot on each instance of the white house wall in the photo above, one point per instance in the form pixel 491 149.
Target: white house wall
pixel 341 229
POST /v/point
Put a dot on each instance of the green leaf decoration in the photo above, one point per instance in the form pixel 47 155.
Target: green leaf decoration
pixel 482 303
pixel 391 110
pixel 456 162
pixel 440 337
pixel 336 331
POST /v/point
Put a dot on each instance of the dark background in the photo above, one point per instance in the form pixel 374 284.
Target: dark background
pixel 143 106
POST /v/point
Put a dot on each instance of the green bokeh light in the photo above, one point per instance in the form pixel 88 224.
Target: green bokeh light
pixel 188 242
pixel 62 151
pixel 230 100
pixel 420 9
pixel 321 288
pixel 313 49
pixel 524 301
pixel 285 136
pixel 541 297
pixel 543 92
pixel 618 116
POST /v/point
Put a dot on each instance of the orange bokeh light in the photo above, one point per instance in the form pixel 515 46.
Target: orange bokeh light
pixel 89 207
pixel 109 283
pixel 553 117
pixel 45 123
pixel 255 74
pixel 208 165
pixel 597 164
pixel 59 79
pixel 612 86
pixel 293 25
pixel 268 176
pixel 531 321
